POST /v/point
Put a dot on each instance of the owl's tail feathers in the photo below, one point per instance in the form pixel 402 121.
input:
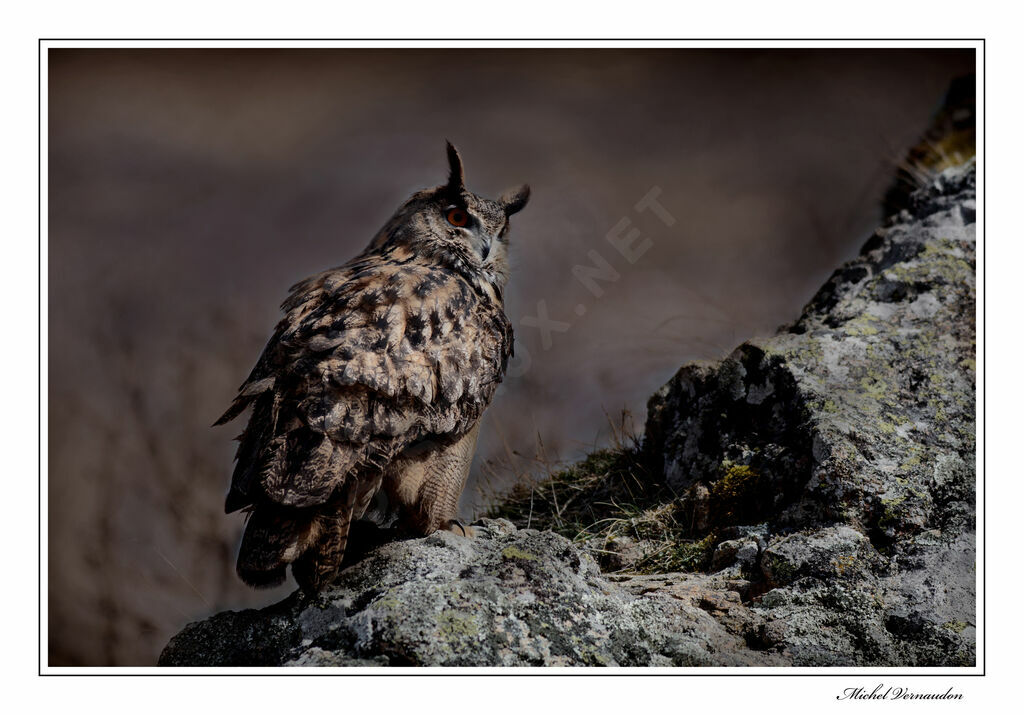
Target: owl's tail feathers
pixel 320 563
pixel 274 537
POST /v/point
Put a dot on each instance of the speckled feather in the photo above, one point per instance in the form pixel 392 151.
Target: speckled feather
pixel 370 358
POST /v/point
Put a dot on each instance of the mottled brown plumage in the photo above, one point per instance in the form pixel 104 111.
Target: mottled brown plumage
pixel 374 383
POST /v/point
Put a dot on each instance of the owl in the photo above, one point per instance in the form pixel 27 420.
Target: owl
pixel 373 385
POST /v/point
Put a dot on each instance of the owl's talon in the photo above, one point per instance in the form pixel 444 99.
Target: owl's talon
pixel 455 523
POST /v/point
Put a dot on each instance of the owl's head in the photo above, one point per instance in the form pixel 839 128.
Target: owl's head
pixel 456 227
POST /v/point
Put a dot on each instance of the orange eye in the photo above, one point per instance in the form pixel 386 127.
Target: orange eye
pixel 457 217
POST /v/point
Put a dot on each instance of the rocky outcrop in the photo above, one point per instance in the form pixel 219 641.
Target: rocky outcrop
pixel 849 439
pixel 823 480
pixel 507 597
pixel 862 412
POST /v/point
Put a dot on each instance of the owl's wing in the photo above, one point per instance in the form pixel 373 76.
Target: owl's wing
pixel 369 359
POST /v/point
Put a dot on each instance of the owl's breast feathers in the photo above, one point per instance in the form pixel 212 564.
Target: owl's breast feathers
pixel 369 359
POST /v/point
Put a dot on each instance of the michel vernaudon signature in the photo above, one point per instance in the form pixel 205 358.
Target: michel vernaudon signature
pixel 883 692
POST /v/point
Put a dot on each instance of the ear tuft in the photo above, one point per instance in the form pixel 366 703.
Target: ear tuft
pixel 515 199
pixel 456 174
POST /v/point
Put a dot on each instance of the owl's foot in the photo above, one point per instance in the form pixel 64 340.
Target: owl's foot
pixel 455 526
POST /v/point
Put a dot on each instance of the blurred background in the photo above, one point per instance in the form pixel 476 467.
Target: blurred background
pixel 188 189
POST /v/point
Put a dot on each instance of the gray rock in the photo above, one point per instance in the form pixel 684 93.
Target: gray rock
pixel 862 412
pixel 743 553
pixel 852 435
pixel 507 597
pixel 834 552
pixel 830 467
pixel 623 553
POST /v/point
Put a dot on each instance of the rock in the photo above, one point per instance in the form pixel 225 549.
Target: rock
pixel 623 552
pixel 861 412
pixel 507 597
pixel 851 435
pixel 725 554
pixel 741 552
pixel 824 477
pixel 839 552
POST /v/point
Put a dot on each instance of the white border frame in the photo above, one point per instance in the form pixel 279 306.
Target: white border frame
pixel 868 673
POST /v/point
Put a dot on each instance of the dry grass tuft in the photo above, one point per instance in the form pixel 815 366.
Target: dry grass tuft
pixel 609 497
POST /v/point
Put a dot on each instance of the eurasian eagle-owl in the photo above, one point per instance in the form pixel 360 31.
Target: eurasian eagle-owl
pixel 375 382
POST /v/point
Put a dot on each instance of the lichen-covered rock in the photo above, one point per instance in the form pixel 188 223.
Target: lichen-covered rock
pixel 826 477
pixel 861 412
pixel 839 552
pixel 850 436
pixel 507 597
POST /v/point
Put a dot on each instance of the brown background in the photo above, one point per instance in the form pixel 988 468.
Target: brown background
pixel 189 189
